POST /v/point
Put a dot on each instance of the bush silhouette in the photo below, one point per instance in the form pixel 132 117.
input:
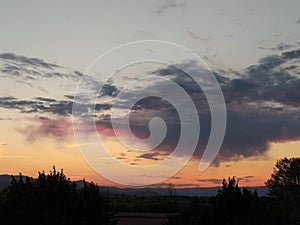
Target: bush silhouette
pixel 53 199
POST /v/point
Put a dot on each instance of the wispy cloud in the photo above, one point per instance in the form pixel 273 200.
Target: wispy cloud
pixel 43 127
pixel 47 105
pixel 217 181
pixel 196 37
pixel 279 47
pixel 211 180
pixel 151 155
pixel 246 179
pixel 38 105
pixel 28 70
pixel 5 118
pixel 35 62
pixel 170 4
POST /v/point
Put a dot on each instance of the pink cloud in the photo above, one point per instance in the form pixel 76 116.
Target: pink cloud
pixel 43 127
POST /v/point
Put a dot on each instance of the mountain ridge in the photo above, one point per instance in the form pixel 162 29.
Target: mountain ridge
pixel 148 191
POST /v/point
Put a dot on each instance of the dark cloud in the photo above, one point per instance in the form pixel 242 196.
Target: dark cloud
pixel 170 4
pixel 150 155
pixel 298 21
pixel 12 103
pixel 45 99
pixel 249 131
pixel 269 80
pixel 180 77
pixel 291 54
pixel 109 90
pixel 263 106
pixel 268 63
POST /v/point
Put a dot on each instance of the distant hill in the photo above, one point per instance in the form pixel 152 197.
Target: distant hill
pixel 4 181
pixel 261 190
pixel 201 192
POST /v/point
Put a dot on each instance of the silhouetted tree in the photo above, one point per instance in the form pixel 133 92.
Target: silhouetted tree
pixel 234 205
pixel 285 179
pixel 229 190
pixel 284 187
pixel 231 206
pixel 53 199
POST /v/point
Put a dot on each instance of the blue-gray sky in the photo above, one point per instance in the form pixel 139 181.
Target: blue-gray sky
pixel 232 34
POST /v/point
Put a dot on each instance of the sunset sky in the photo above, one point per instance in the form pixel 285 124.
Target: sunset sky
pixel 252 48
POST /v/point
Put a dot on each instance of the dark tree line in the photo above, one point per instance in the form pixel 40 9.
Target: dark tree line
pixel 234 206
pixel 53 199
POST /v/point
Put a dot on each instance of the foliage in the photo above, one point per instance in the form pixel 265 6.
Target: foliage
pixel 284 187
pixel 233 205
pixel 53 199
pixel 285 179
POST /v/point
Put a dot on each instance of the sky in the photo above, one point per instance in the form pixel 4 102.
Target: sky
pixel 252 49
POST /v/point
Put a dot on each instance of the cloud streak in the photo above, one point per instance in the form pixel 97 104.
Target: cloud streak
pixel 279 47
pixel 28 70
pixel 211 180
pixel 47 105
pixel 195 36
pixel 35 62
